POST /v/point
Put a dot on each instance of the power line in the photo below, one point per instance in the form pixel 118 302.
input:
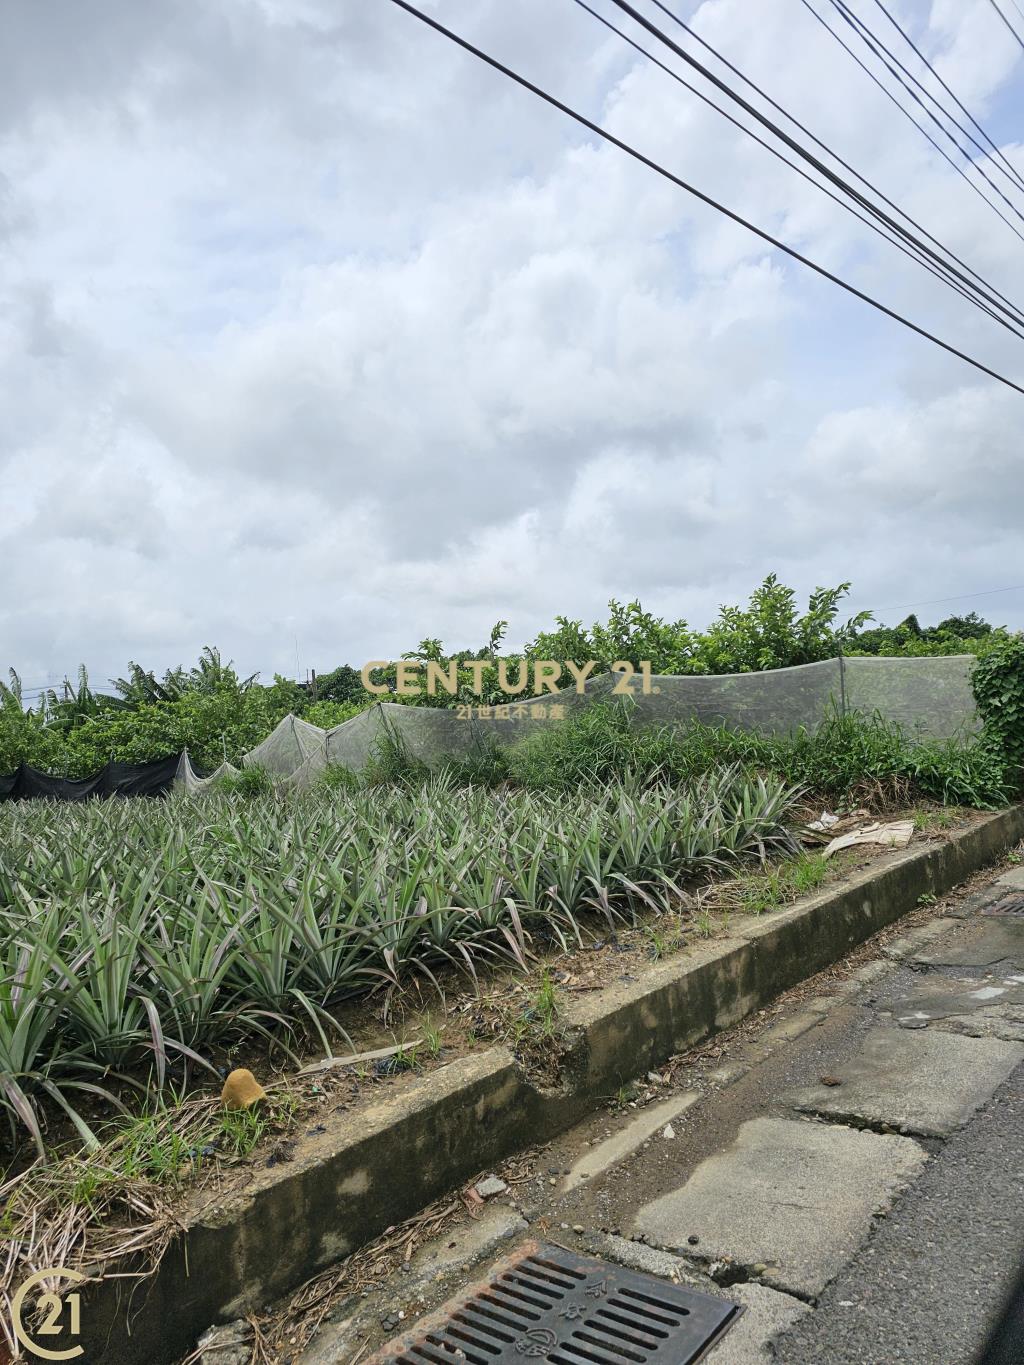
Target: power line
pixel 913 252
pixel 873 45
pixel 1010 169
pixel 774 104
pixel 697 194
pixel 1007 22
pixel 957 597
pixel 802 152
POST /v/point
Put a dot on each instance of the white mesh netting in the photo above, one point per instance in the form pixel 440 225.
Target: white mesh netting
pixel 929 696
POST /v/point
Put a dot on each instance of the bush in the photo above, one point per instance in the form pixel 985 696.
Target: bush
pixel 328 714
pixel 858 758
pixel 24 737
pixel 955 635
pixel 220 724
pixel 391 764
pixel 998 683
pixel 594 744
pixel 251 781
pixel 848 758
pixel 337 778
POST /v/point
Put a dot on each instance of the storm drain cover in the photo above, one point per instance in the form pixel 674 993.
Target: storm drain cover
pixel 1008 905
pixel 547 1304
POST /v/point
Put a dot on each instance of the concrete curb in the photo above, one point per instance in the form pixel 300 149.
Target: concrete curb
pixel 396 1156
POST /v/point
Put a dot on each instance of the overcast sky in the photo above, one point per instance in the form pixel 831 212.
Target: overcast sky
pixel 318 337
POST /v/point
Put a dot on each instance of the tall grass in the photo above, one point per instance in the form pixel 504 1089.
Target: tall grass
pixel 138 936
pixel 851 756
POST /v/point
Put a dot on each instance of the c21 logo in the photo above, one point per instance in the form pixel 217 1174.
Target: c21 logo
pixel 53 1309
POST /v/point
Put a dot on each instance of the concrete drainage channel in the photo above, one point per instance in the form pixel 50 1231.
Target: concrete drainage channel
pixel 340 1191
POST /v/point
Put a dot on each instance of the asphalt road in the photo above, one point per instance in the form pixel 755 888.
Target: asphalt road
pixel 925 1288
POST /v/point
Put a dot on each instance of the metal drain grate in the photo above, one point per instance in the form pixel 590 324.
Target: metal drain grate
pixel 547 1304
pixel 1008 905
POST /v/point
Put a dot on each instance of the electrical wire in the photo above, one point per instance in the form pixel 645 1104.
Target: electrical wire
pixel 774 104
pixel 924 131
pixel 653 165
pixel 957 597
pixel 778 132
pixel 1006 21
pixel 876 47
pixel 1008 167
pixel 914 253
pixel 917 248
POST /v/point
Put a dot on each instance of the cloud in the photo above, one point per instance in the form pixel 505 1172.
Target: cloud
pixel 316 337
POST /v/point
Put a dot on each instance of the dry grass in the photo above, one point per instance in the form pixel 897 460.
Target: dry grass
pixel 121 1204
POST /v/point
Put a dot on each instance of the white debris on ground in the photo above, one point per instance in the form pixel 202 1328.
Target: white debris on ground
pixel 825 821
pixel 894 834
pixel 490 1187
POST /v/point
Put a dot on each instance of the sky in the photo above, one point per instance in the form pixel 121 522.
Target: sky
pixel 318 337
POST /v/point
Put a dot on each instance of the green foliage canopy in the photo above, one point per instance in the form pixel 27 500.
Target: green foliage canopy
pixel 218 715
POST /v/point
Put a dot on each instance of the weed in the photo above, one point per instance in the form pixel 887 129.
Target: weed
pixel 545 1005
pixel 284 1107
pixel 431 1038
pixel 537 1024
pixel 703 923
pixel 250 781
pixel 778 885
pixel 149 1149
pixel 242 1129
pixel 85 1190
pixel 858 758
pixel 595 744
pixel 406 1059
pixel 335 777
pixel 391 764
pixel 487 767
pixel 663 939
pixel 927 819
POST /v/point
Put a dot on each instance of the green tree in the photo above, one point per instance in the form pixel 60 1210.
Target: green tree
pixel 630 634
pixel 24 735
pixel 341 685
pixel 77 704
pixel 772 633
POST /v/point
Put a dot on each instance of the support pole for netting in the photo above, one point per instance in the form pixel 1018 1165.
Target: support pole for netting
pixel 842 683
